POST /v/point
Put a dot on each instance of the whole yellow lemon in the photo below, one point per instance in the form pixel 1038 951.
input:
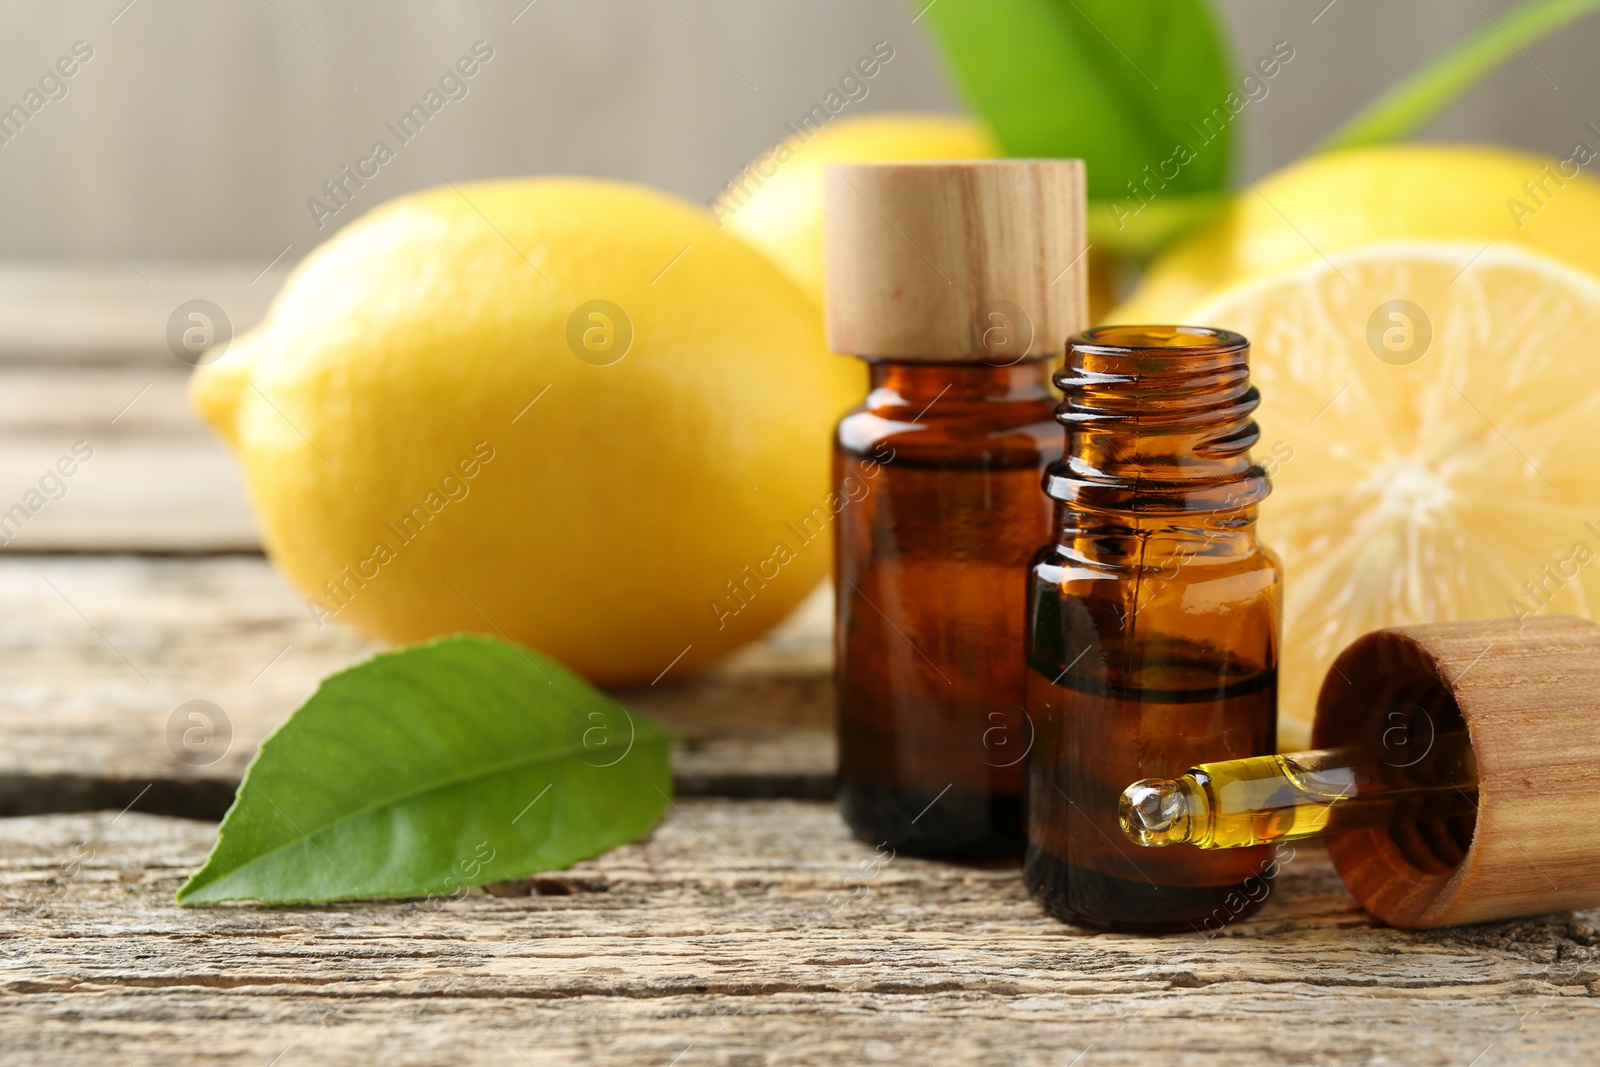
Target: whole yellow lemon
pixel 568 412
pixel 1344 199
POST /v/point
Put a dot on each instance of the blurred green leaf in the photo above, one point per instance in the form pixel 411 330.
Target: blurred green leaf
pixel 1112 229
pixel 1117 84
pixel 1413 103
pixel 425 770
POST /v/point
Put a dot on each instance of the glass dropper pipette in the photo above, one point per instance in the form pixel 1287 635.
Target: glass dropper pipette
pixel 1263 799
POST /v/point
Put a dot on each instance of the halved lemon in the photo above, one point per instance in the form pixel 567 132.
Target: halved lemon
pixel 1429 410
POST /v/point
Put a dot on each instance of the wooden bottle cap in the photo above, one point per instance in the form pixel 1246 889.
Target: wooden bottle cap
pixel 1529 695
pixel 939 262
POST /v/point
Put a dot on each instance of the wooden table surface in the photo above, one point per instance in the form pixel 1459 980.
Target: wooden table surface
pixel 747 929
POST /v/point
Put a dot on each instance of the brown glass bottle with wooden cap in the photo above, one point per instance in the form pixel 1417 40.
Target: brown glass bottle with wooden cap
pixel 1153 629
pixel 957 282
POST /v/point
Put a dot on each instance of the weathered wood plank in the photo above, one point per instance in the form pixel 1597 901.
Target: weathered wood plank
pixel 744 932
pixel 84 357
pixel 101 312
pixel 98 653
pixel 141 473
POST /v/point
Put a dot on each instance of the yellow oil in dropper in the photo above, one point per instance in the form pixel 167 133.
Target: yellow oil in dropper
pixel 1263 799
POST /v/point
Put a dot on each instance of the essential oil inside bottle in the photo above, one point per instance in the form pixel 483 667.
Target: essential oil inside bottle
pixel 931 563
pixel 1153 628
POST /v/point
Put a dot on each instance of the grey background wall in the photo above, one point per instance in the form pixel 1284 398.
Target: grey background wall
pixel 199 129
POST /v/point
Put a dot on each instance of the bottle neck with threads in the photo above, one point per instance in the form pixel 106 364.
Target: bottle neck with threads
pixel 1159 432
pixel 934 383
pixel 958 414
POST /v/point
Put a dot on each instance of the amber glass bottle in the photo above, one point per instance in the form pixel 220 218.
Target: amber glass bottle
pixel 1153 627
pixel 945 462
pixel 957 282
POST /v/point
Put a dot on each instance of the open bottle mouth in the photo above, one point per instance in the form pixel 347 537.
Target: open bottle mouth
pixel 1112 340
pixel 1155 371
pixel 1159 419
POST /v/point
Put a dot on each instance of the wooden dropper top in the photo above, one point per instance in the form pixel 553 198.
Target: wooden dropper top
pixel 955 262
pixel 1527 692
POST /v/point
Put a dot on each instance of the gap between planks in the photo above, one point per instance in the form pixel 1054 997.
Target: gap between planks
pixel 100 652
pixel 743 932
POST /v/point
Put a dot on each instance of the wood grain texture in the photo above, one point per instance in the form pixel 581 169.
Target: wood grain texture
pixel 89 313
pixel 1528 693
pixel 958 261
pixel 743 932
pixel 85 361
pixel 98 654
pixel 156 480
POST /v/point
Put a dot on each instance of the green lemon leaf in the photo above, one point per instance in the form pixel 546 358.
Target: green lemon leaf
pixel 1116 228
pixel 1117 84
pixel 1410 105
pixel 428 769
